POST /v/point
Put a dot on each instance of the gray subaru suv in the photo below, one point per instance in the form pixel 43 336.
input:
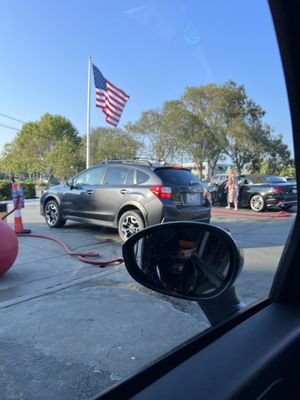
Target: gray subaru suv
pixel 127 195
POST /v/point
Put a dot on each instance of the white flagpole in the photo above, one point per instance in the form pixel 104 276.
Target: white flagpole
pixel 88 115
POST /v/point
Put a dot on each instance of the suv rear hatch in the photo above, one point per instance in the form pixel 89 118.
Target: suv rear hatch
pixel 186 189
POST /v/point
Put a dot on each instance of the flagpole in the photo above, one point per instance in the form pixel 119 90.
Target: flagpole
pixel 88 115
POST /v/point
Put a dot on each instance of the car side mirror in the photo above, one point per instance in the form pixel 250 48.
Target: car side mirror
pixel 190 260
pixel 70 183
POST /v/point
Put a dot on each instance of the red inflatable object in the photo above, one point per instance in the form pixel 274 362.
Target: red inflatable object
pixel 8 247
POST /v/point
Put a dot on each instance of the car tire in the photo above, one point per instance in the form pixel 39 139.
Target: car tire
pixel 257 203
pixel 53 216
pixel 130 223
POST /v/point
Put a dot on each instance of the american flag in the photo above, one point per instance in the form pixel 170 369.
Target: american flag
pixel 109 98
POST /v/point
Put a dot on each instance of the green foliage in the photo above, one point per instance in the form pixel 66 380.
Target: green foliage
pixel 210 122
pixel 109 143
pixel 5 190
pixel 29 190
pixel 30 151
pixel 289 171
pixel 3 175
pixel 157 128
pixel 207 123
pixel 275 159
pixel 231 121
pixel 64 160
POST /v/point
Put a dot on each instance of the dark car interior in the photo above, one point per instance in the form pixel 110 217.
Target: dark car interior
pixel 255 353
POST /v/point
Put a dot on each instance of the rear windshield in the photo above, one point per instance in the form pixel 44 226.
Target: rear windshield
pixel 173 176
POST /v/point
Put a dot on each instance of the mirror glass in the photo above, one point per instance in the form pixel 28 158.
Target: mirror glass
pixel 191 261
pixel 70 182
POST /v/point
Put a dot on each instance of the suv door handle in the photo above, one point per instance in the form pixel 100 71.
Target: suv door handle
pixel 89 191
pixel 124 191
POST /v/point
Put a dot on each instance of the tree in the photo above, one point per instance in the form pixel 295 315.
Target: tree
pixel 151 124
pixel 179 124
pixel 30 152
pixel 209 123
pixel 232 122
pixel 206 139
pixel 109 143
pixel 188 132
pixel 276 160
pixel 10 161
pixel 206 123
pixel 64 160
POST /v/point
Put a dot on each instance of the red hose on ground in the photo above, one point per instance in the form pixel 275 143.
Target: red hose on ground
pixel 60 242
pixel 277 214
pixel 115 261
pixel 81 255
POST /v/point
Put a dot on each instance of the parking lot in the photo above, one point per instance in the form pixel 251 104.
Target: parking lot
pixel 70 330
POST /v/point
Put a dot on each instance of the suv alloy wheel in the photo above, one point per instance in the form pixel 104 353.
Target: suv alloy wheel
pixel 130 223
pixel 52 215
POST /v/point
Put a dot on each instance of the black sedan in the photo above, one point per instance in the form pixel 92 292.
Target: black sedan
pixel 259 192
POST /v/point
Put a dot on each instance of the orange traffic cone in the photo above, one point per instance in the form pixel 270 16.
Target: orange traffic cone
pixel 19 224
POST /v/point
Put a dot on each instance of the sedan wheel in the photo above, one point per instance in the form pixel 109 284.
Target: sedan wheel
pixel 129 224
pixel 52 215
pixel 257 203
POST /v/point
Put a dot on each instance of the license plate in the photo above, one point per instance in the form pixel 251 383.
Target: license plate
pixel 193 199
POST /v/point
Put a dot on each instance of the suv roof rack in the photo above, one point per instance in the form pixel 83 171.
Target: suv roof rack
pixel 142 161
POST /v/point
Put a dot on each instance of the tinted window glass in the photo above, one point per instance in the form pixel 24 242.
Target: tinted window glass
pixel 141 177
pixel 275 179
pixel 130 177
pixel 90 177
pixel 115 175
pixel 265 179
pixel 256 179
pixel 172 176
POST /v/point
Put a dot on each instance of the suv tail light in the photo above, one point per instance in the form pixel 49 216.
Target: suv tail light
pixel 278 190
pixel 163 192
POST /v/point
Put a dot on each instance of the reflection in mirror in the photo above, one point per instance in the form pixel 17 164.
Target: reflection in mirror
pixel 70 182
pixel 191 261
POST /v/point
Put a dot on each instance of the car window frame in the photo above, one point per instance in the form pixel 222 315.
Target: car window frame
pixel 133 170
pixel 285 287
pixel 137 170
pixel 86 171
pixel 111 167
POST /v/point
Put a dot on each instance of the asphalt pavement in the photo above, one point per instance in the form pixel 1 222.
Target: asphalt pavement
pixel 70 330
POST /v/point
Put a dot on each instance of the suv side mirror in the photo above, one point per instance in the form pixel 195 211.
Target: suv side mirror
pixel 190 260
pixel 70 183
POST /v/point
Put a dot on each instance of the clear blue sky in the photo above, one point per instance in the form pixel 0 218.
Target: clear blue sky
pixel 150 49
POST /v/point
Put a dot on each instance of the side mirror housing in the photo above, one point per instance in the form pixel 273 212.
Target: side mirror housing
pixel 70 183
pixel 190 260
